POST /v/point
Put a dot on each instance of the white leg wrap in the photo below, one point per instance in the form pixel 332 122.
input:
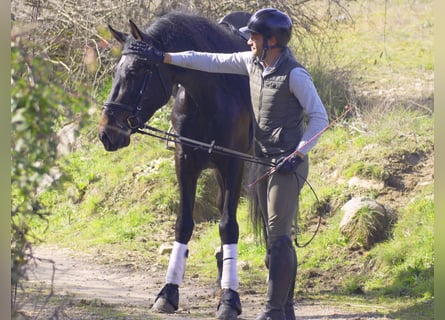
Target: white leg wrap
pixel 229 279
pixel 176 265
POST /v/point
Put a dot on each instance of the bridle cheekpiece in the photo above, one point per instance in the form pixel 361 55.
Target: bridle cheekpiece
pixel 134 121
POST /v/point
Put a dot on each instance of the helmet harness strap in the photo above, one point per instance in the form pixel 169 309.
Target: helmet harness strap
pixel 266 48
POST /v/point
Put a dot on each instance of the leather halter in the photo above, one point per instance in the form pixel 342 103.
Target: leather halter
pixel 134 121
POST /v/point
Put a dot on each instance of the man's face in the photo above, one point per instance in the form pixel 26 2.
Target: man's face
pixel 256 43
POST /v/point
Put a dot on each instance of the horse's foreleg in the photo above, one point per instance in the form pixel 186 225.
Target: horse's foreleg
pixel 167 300
pixel 220 206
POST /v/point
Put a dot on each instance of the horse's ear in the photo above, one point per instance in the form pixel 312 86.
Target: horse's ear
pixel 119 36
pixel 137 34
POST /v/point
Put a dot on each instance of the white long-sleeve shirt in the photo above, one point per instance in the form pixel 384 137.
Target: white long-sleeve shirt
pixel 300 83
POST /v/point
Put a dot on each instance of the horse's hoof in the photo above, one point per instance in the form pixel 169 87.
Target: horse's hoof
pixel 167 300
pixel 163 306
pixel 229 306
pixel 226 313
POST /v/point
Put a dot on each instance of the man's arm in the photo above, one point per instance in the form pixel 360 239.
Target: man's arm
pixel 302 86
pixel 235 63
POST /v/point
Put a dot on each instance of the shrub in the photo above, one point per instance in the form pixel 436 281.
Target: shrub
pixel 39 106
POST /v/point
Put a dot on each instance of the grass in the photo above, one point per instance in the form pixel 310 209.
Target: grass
pixel 95 199
pixel 386 47
pixel 409 257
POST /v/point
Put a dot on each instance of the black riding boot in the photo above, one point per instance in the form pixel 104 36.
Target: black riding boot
pixel 282 271
pixel 289 307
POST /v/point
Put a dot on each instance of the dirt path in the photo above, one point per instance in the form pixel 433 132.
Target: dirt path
pixel 84 289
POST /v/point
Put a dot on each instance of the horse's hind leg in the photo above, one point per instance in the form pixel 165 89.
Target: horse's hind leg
pixel 229 306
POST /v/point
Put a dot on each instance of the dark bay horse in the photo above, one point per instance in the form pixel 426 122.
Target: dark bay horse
pixel 213 108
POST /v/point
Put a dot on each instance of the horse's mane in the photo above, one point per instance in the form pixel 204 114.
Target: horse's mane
pixel 179 31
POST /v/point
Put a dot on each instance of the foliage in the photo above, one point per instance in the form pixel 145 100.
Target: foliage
pixel 78 43
pixel 39 106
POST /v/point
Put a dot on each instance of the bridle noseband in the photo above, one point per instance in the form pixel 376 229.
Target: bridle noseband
pixel 134 121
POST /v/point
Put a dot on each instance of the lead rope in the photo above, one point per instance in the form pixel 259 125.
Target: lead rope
pixel 347 109
pixel 318 223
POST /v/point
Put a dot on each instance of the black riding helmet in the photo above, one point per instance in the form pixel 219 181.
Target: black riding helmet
pixel 270 22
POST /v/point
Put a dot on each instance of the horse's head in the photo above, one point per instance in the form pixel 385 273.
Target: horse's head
pixel 138 90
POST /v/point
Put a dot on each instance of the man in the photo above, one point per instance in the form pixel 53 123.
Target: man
pixel 282 92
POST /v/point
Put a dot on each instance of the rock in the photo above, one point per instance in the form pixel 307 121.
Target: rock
pixel 67 138
pixel 365 222
pixel 48 179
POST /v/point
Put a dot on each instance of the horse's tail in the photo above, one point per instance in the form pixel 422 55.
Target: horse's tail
pixel 256 216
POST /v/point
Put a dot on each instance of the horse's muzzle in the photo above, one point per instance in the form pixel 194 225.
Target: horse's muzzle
pixel 113 142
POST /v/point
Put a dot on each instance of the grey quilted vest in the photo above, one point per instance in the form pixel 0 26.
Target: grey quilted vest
pixel 278 113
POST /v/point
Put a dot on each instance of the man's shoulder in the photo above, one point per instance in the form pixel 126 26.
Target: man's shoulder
pixel 289 60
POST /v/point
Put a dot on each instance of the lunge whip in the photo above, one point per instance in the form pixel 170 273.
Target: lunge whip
pixel 273 169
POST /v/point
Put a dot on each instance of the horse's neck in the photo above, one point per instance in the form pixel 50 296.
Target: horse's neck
pixel 197 83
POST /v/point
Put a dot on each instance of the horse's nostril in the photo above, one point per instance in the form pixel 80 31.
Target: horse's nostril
pixel 102 136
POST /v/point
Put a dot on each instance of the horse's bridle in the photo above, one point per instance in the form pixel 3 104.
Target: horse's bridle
pixel 134 121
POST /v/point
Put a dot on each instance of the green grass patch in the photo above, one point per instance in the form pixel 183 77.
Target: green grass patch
pixel 405 265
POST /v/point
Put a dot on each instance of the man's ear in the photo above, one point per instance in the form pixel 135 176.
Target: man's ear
pixel 272 41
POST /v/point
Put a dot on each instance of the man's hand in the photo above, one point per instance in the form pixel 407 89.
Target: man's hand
pixel 143 49
pixel 288 165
